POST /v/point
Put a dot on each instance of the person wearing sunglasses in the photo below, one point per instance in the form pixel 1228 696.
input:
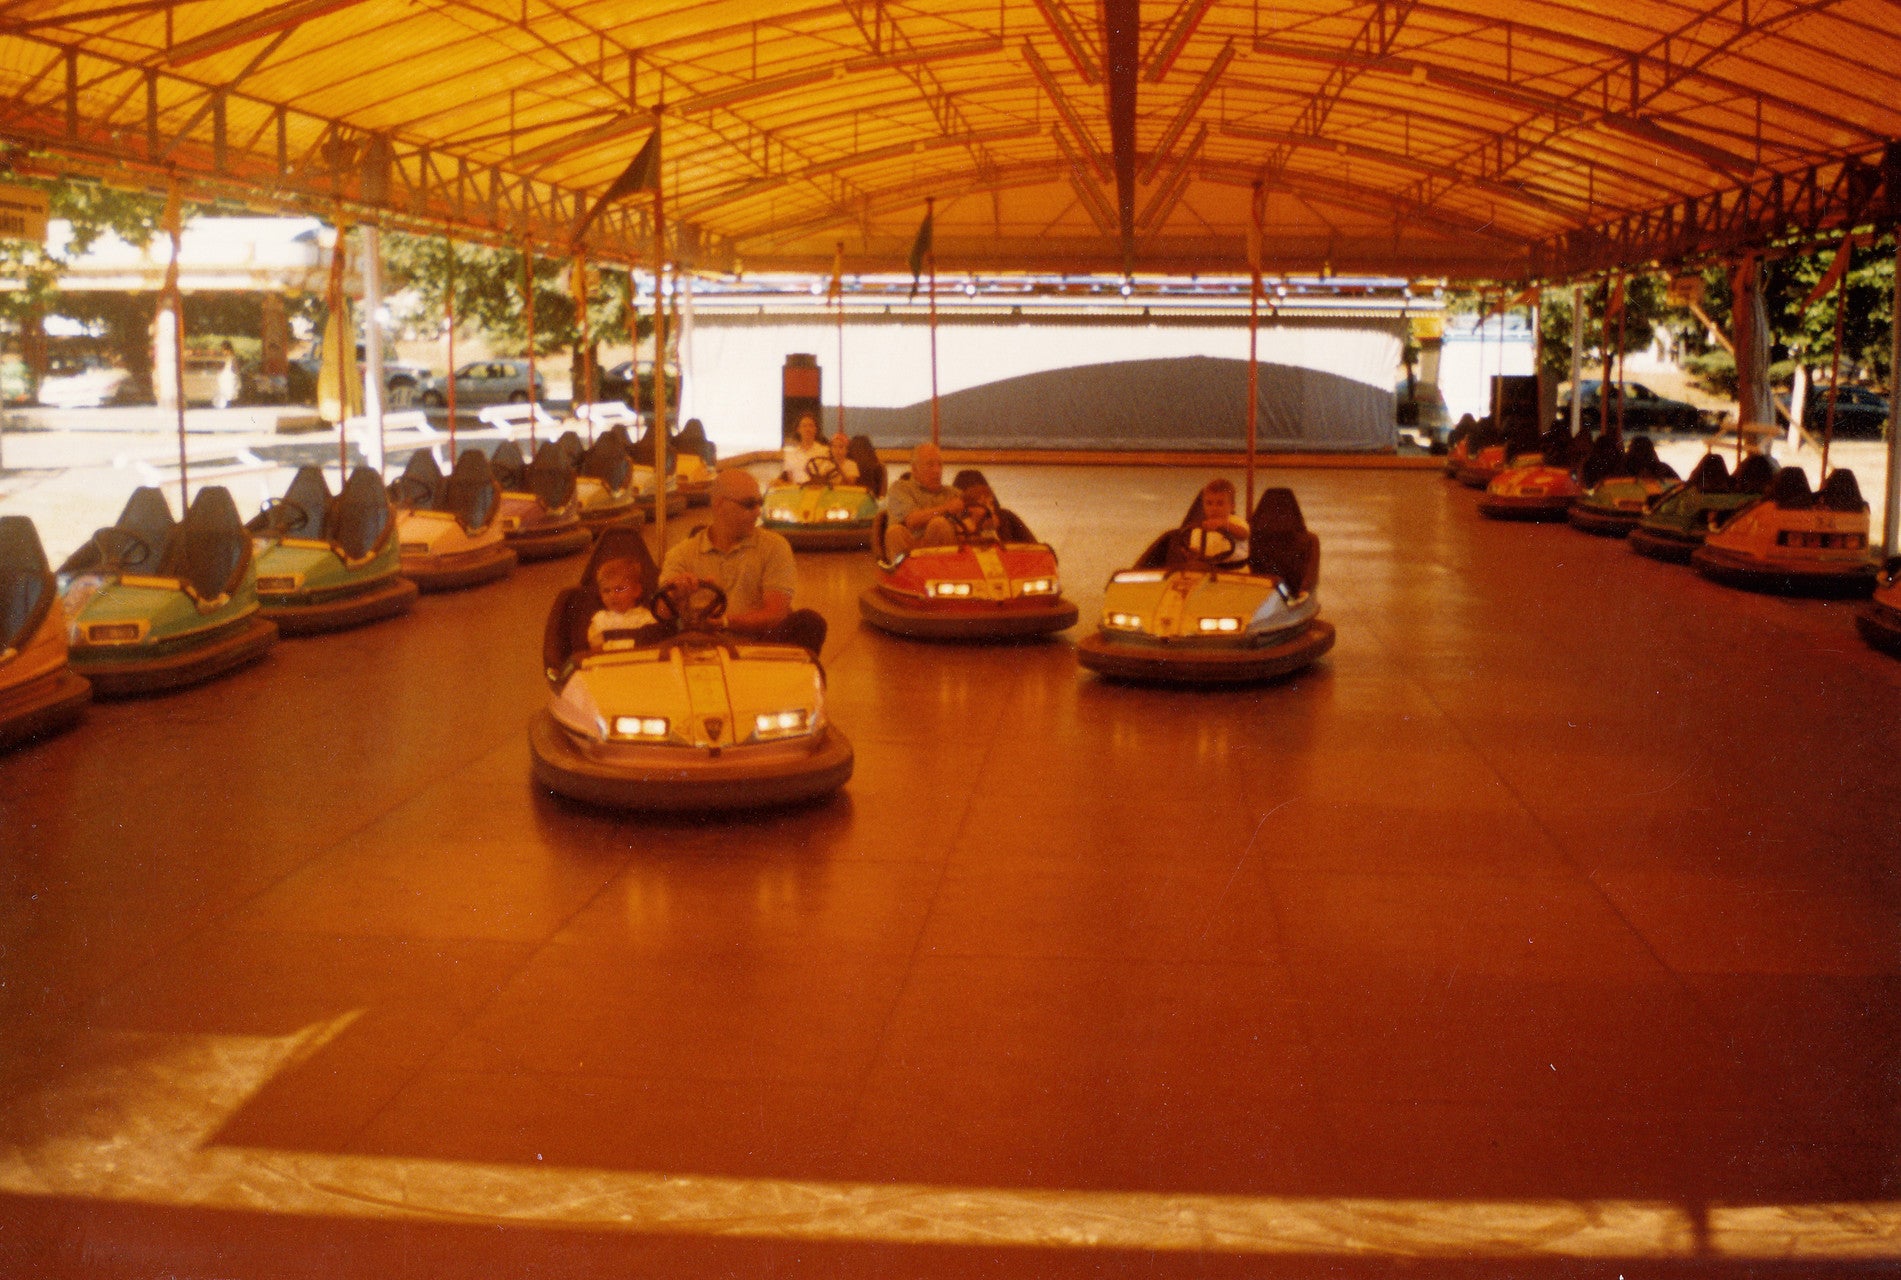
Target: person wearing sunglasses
pixel 753 566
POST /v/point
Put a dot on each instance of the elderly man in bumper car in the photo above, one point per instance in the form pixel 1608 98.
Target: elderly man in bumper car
pixel 921 510
pixel 753 567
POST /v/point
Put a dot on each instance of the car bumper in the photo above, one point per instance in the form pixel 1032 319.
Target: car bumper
pixel 384 598
pixel 124 674
pixel 461 570
pixel 1880 626
pixel 699 783
pixel 42 706
pixel 986 620
pixel 1177 664
pixel 1788 577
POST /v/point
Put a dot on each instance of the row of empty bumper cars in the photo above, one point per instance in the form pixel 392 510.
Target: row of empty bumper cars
pixel 1620 484
pixel 683 716
pixel 40 693
pixel 998 584
pixel 1681 517
pixel 1185 616
pixel 641 477
pixel 324 563
pixel 152 604
pixel 1537 483
pixel 828 511
pixel 541 505
pixel 450 528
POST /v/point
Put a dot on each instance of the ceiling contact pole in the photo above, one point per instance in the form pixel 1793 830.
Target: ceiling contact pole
pixel 372 332
pixel 1254 336
pixel 1891 517
pixel 175 299
pixel 838 301
pixel 333 300
pixel 659 367
pixel 1835 368
pixel 930 205
pixel 1577 358
pixel 448 313
pixel 528 313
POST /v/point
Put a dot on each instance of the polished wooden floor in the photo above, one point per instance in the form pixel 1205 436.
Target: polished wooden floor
pixel 1567 878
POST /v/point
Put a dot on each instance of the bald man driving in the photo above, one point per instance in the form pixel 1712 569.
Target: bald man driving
pixel 753 566
pixel 921 508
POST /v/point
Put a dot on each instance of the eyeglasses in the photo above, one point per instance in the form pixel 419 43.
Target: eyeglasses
pixel 751 504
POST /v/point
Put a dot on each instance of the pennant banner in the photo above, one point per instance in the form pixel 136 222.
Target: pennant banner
pixel 1832 276
pixel 920 250
pixel 642 175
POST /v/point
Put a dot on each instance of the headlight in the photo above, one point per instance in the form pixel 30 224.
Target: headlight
pixel 781 724
pixel 1139 575
pixel 838 513
pixel 944 590
pixel 641 728
pixel 1220 624
pixel 1124 621
pixel 1037 587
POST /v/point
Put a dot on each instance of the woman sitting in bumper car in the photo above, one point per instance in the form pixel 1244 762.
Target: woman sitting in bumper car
pixel 1678 521
pixel 39 692
pixel 1794 542
pixel 682 715
pixel 1177 615
pixel 992 581
pixel 450 531
pixel 541 504
pixel 324 564
pixel 152 605
pixel 1619 486
pixel 822 502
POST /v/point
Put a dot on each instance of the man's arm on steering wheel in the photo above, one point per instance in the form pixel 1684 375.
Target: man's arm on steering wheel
pixel 770 613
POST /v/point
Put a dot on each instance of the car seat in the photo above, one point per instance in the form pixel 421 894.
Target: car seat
pixel 306 508
pixel 1710 475
pixel 471 495
pixel 420 485
pixel 692 439
pixel 209 550
pixel 608 461
pixel 1840 492
pixel 508 467
pixel 550 477
pixel 1790 490
pixel 27 589
pixel 147 515
pixel 871 472
pixel 1641 461
pixel 574 608
pixel 360 520
pixel 1279 542
pixel 1604 459
pixel 1755 475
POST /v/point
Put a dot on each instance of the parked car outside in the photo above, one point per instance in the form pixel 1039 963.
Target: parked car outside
pixel 1860 414
pixel 485 382
pixel 402 381
pixel 84 385
pixel 1645 412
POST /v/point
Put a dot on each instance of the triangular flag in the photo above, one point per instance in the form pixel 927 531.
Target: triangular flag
pixel 836 290
pixel 643 174
pixel 1832 276
pixel 1614 305
pixel 920 249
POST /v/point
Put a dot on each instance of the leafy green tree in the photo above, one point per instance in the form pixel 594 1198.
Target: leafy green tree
pixel 1645 312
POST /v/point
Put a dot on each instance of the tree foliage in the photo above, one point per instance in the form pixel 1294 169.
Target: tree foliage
pixel 487 285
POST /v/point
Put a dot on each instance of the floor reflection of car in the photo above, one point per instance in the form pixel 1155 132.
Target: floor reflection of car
pixel 485 382
pixel 1860 414
pixel 1645 412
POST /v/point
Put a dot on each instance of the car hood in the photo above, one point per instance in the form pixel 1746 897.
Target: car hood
pixel 1172 606
pixel 712 694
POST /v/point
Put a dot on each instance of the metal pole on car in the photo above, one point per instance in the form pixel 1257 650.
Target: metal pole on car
pixel 1577 358
pixel 528 313
pixel 659 365
pixel 1254 334
pixel 448 313
pixel 1891 518
pixel 373 333
pixel 176 301
pixel 930 205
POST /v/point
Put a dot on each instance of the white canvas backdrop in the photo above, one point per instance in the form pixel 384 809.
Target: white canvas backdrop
pixel 737 362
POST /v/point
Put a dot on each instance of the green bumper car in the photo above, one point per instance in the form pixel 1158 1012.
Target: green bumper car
pixel 325 564
pixel 828 512
pixel 152 605
pixel 1620 486
pixel 1681 518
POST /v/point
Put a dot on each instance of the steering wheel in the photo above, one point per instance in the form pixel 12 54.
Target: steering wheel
pixel 122 547
pixel 823 471
pixel 1217 545
pixel 409 491
pixel 690 609
pixel 284 513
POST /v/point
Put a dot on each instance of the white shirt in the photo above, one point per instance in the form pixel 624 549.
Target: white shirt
pixel 606 620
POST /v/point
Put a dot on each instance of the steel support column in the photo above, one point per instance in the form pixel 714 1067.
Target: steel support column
pixel 1122 39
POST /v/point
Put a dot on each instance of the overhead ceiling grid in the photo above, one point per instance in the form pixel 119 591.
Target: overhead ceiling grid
pixel 1485 140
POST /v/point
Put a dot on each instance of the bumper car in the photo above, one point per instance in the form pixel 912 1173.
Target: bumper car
pixel 689 462
pixel 1618 491
pixel 603 481
pixel 451 537
pixel 152 605
pixel 1794 542
pixel 994 586
pixel 1880 620
pixel 826 513
pixel 696 720
pixel 1536 486
pixel 1677 522
pixel 39 692
pixel 541 506
pixel 640 474
pixel 1177 618
pixel 324 565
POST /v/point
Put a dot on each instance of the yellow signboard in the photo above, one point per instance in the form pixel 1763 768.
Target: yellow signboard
pixel 23 214
pixel 1428 328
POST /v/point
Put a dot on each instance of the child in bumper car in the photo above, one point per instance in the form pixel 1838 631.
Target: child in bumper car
pixel 623 620
pixel 1219 538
